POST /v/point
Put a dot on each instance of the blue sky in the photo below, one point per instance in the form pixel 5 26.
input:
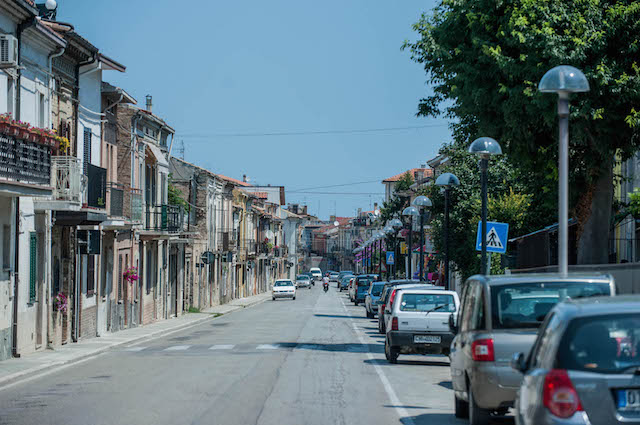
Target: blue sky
pixel 217 69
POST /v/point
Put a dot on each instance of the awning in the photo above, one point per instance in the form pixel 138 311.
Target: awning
pixel 158 154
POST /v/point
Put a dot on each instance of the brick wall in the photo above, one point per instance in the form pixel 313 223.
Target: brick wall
pixel 88 322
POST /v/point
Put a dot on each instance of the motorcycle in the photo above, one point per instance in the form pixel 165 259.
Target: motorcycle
pixel 326 287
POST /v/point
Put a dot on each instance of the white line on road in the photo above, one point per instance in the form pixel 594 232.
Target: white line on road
pixel 178 348
pixel 222 347
pixel 134 348
pixel 402 412
pixel 267 347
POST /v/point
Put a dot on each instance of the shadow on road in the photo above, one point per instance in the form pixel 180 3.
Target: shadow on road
pixel 382 362
pixel 447 418
pixel 336 316
pixel 347 348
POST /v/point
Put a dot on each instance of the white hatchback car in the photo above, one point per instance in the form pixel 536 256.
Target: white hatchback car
pixel 283 288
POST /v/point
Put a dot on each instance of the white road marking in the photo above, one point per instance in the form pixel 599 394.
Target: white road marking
pixel 393 397
pixel 222 347
pixel 134 348
pixel 178 348
pixel 267 347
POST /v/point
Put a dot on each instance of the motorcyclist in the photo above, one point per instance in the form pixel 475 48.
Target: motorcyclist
pixel 325 283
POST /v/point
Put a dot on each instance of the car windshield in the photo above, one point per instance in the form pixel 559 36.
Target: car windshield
pixel 283 283
pixel 428 302
pixel 302 277
pixel 376 290
pixel 602 344
pixel 525 305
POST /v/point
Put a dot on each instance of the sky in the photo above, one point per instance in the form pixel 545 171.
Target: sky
pixel 277 90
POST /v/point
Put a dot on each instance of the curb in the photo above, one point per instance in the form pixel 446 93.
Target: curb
pixel 42 369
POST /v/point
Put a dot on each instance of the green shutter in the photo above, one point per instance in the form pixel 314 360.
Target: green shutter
pixel 33 264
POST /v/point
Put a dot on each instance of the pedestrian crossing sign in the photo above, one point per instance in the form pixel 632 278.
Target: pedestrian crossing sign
pixel 496 237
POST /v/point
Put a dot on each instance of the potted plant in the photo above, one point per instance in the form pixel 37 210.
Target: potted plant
pixel 24 130
pixel 5 122
pixel 60 302
pixel 131 274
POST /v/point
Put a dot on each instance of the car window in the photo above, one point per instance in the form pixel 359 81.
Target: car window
pixel 525 305
pixel 376 290
pixel 467 307
pixel 542 341
pixel 601 344
pixel 283 283
pixel 428 302
pixel 478 314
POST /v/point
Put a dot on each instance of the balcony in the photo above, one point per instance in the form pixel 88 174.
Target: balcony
pixel 250 246
pixel 27 163
pixel 67 178
pixel 227 240
pixel 115 197
pixel 135 213
pixel 163 218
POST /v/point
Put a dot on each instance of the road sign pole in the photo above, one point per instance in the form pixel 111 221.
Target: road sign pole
pixel 484 164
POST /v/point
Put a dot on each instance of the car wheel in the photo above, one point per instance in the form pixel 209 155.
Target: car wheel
pixel 356 302
pixel 369 315
pixel 461 408
pixel 477 415
pixel 273 298
pixel 294 298
pixel 391 353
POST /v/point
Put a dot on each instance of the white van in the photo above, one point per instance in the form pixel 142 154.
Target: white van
pixel 317 273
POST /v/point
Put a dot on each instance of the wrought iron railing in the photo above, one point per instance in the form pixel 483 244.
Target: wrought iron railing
pixel 168 218
pixel 116 199
pixel 135 213
pixel 25 162
pixel 67 178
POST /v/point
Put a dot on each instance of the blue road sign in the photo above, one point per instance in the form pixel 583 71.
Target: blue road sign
pixel 391 259
pixel 497 234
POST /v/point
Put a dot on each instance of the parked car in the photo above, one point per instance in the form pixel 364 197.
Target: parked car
pixel 316 273
pixel 345 281
pixel 372 299
pixel 360 286
pixel 333 276
pixel 283 288
pixel 419 322
pixel 387 291
pixel 500 315
pixel 584 367
pixel 303 281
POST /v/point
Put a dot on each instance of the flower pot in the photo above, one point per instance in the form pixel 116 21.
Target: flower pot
pixel 24 133
pixel 14 130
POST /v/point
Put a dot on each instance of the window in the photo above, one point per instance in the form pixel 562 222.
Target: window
pixel 41 111
pixel 87 150
pixel 120 278
pixel 478 321
pixel 464 320
pixel 6 247
pixel 10 94
pixel 33 265
pixel 90 283
pixel 428 302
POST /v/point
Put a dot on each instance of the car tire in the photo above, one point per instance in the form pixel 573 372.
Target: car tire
pixel 273 298
pixel 477 415
pixel 356 302
pixel 461 408
pixel 294 298
pixel 369 315
pixel 391 353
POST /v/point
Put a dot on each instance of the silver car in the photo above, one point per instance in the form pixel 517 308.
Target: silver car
pixel 303 281
pixel 500 316
pixel 584 367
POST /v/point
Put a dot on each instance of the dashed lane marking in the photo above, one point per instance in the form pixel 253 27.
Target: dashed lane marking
pixel 268 347
pixel 177 348
pixel 134 348
pixel 222 347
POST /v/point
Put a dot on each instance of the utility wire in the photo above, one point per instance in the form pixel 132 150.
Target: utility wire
pixel 305 133
pixel 340 193
pixel 327 187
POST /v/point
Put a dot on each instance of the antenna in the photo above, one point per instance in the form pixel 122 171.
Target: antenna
pixel 181 149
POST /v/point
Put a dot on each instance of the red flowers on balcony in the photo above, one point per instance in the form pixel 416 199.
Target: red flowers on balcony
pixel 25 131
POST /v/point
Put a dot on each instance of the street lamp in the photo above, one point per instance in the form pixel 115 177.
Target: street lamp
pixel 410 212
pixel 446 181
pixel 563 80
pixel 422 202
pixel 396 224
pixel 484 147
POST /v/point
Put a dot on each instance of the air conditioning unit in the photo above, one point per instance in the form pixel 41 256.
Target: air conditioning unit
pixel 8 51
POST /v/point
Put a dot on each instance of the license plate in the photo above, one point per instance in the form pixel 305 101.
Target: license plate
pixel 629 400
pixel 426 339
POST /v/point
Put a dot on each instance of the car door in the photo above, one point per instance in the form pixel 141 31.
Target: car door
pixel 456 355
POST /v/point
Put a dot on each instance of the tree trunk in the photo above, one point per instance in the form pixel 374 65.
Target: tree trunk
pixel 594 220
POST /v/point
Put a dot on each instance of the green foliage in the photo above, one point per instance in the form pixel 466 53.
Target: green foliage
pixel 634 203
pixel 404 183
pixel 485 57
pixel 175 196
pixel 397 203
pixel 193 310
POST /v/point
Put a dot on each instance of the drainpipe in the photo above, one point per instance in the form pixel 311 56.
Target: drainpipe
pixel 16 280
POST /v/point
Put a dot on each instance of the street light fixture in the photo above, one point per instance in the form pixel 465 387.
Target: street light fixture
pixel 563 80
pixel 396 224
pixel 410 212
pixel 422 202
pixel 446 181
pixel 484 147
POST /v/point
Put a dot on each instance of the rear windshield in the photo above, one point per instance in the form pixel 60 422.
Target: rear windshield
pixel 376 290
pixel 284 283
pixel 302 277
pixel 525 305
pixel 365 281
pixel 427 302
pixel 603 344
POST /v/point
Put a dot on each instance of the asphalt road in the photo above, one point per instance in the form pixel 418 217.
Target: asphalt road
pixel 315 360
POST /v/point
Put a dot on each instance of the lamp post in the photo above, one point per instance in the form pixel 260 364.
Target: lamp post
pixel 396 224
pixel 446 181
pixel 484 147
pixel 388 231
pixel 563 80
pixel 410 212
pixel 422 203
pixel 379 237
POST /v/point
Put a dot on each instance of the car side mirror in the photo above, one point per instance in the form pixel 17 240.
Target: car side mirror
pixel 452 324
pixel 519 362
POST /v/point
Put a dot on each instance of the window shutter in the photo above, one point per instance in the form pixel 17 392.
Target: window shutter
pixel 87 150
pixel 33 264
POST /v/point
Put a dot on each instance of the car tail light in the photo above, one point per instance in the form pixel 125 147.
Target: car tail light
pixel 394 324
pixel 559 394
pixel 482 350
pixel 392 297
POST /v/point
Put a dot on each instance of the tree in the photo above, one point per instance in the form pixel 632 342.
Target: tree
pixel 398 201
pixel 484 59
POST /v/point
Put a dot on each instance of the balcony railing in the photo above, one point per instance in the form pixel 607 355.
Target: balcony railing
pixel 25 162
pixel 167 218
pixel 116 199
pixel 250 246
pixel 67 178
pixel 227 240
pixel 136 205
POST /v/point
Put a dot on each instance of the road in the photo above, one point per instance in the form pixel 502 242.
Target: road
pixel 315 360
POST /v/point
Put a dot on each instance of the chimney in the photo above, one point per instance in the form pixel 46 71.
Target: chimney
pixel 359 212
pixel 423 165
pixel 244 178
pixel 149 102
pixel 332 218
pixel 304 210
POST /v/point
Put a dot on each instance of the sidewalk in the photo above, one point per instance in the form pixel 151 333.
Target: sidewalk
pixel 14 370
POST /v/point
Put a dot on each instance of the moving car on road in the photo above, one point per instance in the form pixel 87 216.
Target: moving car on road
pixel 500 316
pixel 372 299
pixel 303 281
pixel 584 366
pixel 420 323
pixel 316 273
pixel 283 288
